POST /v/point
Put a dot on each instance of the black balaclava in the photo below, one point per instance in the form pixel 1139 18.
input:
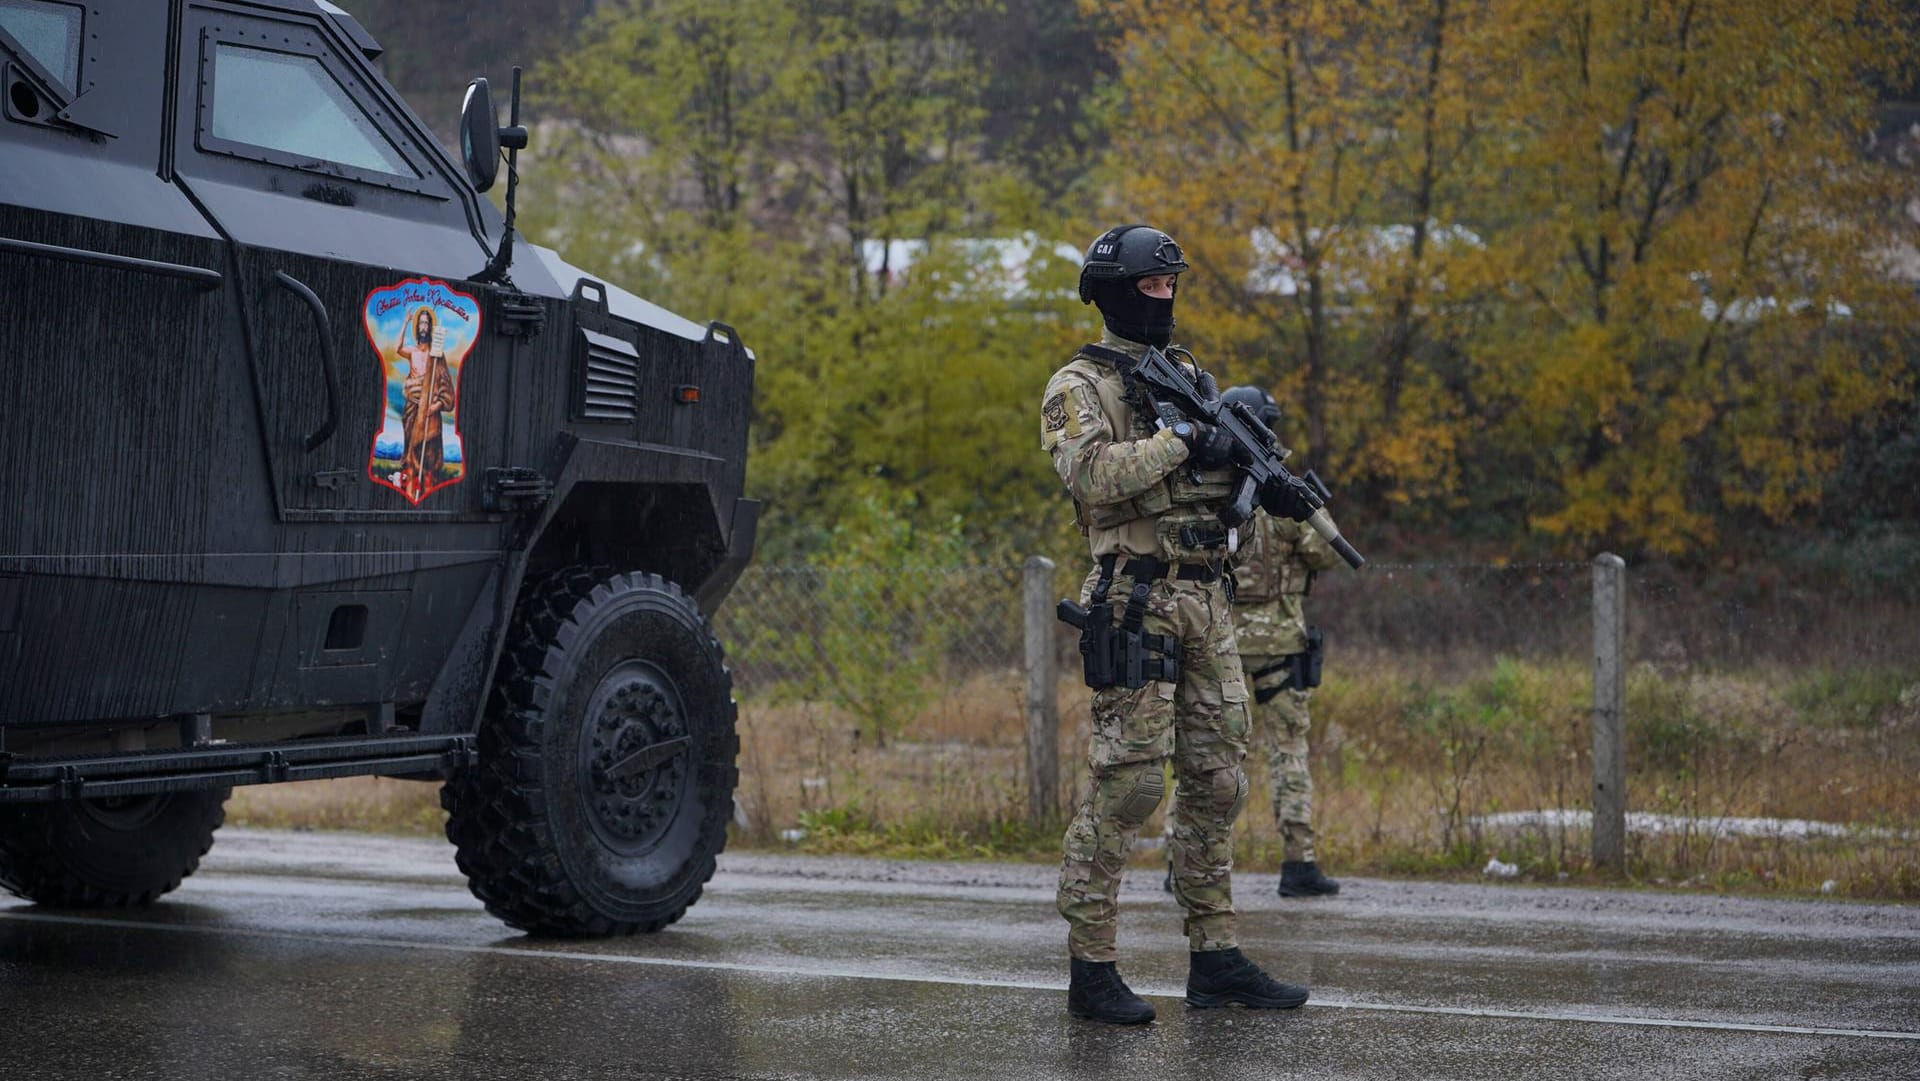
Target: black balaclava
pixel 1134 315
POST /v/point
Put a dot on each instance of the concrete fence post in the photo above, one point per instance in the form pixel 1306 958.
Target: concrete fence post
pixel 1609 712
pixel 1043 707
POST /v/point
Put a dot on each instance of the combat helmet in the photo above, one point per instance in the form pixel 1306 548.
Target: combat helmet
pixel 1257 401
pixel 1121 256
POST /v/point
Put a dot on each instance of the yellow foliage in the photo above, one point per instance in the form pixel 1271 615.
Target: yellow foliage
pixel 1610 270
pixel 1627 250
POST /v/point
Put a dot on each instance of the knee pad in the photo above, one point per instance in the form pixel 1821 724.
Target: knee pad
pixel 1136 797
pixel 1228 789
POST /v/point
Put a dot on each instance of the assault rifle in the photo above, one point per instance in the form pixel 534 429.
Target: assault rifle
pixel 1263 480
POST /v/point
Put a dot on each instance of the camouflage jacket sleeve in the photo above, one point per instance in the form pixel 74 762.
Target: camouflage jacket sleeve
pixel 1096 469
pixel 1313 549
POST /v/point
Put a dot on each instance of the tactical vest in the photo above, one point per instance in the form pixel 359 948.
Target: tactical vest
pixel 1267 566
pixel 1184 506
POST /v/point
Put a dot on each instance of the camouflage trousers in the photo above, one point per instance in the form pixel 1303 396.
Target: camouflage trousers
pixel 1281 724
pixel 1201 724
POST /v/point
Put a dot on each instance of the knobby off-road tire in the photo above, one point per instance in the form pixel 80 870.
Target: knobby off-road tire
pixel 107 853
pixel 607 760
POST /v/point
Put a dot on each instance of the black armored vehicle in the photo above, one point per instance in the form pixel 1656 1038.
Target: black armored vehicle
pixel 308 470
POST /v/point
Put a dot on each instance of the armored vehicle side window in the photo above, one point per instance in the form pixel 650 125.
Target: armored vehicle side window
pixel 49 31
pixel 291 104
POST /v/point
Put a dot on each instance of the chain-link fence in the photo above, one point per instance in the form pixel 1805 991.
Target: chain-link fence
pixel 853 632
pixel 1453 694
pixel 799 631
pixel 1449 614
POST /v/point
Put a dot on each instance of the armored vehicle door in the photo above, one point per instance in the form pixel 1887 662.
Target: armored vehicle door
pixel 113 308
pixel 368 347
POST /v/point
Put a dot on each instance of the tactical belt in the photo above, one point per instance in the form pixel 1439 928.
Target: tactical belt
pixel 1152 570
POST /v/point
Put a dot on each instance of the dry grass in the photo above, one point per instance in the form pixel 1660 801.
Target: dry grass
pixel 1406 757
pixel 1405 763
pixel 371 804
pixel 952 782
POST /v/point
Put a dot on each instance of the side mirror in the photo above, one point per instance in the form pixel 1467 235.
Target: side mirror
pixel 480 135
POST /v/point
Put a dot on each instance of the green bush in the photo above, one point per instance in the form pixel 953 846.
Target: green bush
pixel 1856 698
pixel 1663 728
pixel 843 820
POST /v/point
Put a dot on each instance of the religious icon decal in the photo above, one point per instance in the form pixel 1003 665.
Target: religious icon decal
pixel 421 331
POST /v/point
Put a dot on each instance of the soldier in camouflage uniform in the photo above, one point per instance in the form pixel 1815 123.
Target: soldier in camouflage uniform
pixel 1273 570
pixel 1272 575
pixel 1147 496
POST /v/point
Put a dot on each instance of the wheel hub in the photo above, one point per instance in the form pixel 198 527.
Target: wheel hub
pixel 123 813
pixel 636 756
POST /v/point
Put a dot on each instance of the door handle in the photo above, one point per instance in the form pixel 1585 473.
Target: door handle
pixel 324 328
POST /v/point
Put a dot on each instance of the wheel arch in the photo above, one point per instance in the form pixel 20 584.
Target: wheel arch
pixel 688 531
pixel 667 529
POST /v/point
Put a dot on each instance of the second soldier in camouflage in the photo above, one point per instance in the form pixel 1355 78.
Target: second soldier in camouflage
pixel 1273 573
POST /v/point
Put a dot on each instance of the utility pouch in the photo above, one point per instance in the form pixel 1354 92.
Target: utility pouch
pixel 1119 656
pixel 1203 536
pixel 1302 669
pixel 1148 658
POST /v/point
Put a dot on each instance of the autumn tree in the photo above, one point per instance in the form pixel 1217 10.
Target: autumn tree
pixel 432 47
pixel 1615 270
pixel 773 163
pixel 661 125
pixel 1306 156
pixel 1692 243
pixel 1046 62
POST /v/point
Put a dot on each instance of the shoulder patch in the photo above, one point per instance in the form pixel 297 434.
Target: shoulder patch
pixel 1053 415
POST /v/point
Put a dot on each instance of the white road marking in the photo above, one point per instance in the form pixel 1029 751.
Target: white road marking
pixel 956 981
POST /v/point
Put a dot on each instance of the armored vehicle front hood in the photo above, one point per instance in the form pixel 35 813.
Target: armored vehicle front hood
pixel 620 303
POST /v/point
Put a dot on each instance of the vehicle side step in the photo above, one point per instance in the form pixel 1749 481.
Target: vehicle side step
pixel 31 780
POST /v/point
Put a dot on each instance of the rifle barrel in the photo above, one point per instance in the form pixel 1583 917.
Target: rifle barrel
pixel 1324 526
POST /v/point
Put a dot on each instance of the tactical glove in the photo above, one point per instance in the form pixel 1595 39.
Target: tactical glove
pixel 1207 446
pixel 1282 501
pixel 1207 385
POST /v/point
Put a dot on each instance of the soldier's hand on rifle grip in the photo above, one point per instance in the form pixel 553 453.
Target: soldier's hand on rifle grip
pixel 1287 501
pixel 1206 445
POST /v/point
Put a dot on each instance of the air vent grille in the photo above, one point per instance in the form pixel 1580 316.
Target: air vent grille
pixel 610 379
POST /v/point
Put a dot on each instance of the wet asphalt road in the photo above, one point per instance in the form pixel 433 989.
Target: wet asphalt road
pixel 340 956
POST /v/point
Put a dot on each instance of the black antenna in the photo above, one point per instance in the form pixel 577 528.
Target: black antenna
pixel 513 138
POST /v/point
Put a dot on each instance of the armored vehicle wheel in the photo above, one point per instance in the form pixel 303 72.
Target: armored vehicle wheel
pixel 606 772
pixel 107 853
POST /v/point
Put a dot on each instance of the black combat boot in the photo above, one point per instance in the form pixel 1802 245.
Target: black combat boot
pixel 1097 993
pixel 1221 977
pixel 1302 878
